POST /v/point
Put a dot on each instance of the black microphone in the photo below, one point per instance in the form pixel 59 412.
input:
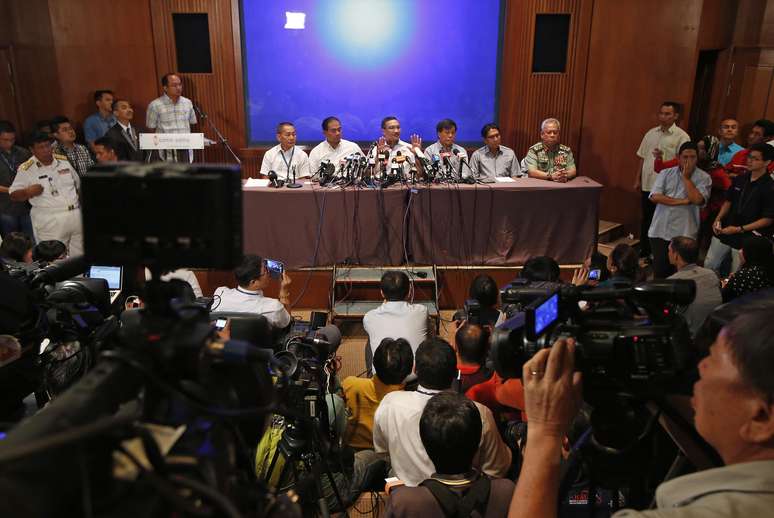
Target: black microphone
pixel 61 271
pixel 273 179
pixel 460 158
pixel 198 110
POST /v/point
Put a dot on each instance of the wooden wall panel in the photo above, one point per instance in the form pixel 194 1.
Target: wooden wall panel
pixel 716 27
pixel 103 50
pixel 642 52
pixel 34 55
pixel 219 94
pixel 754 24
pixel 527 98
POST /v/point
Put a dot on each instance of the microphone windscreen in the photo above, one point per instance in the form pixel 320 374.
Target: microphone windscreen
pixel 61 271
pixel 332 335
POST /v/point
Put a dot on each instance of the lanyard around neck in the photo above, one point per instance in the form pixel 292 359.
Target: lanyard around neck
pixel 288 162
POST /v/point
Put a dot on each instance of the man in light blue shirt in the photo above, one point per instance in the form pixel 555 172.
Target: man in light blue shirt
pixel 678 193
pixel 97 124
pixel 729 129
pixel 494 159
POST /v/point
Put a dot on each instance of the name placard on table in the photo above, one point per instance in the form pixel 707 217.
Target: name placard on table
pixel 160 141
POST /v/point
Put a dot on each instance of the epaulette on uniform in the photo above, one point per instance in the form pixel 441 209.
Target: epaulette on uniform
pixel 26 165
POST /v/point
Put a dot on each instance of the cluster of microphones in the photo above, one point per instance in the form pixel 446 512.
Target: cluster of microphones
pixel 381 170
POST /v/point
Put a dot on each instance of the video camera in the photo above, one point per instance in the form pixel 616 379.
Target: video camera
pixel 175 401
pixel 630 340
pixel 632 348
pixel 70 315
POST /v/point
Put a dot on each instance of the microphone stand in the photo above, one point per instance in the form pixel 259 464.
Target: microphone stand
pixel 294 185
pixel 223 140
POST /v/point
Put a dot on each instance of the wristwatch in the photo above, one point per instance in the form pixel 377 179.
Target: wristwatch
pixel 550 175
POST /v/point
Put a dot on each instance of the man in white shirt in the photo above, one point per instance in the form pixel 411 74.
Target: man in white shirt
pixel 396 318
pixel 286 157
pixel 182 274
pixel 390 149
pixel 396 422
pixel 252 278
pixel 333 148
pixel 668 138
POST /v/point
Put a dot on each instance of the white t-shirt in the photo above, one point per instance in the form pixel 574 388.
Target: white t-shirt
pixel 397 319
pixel 396 430
pixel 182 274
pixel 282 162
pixel 240 300
pixel 324 151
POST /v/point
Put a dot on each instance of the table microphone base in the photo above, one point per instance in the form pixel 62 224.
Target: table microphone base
pixel 293 185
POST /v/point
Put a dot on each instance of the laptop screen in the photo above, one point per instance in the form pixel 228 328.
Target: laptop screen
pixel 112 274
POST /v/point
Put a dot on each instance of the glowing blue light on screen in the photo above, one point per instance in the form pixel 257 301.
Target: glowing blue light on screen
pixel 364 34
pixel 420 60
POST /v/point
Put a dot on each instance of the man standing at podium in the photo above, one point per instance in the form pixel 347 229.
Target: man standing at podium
pixel 172 113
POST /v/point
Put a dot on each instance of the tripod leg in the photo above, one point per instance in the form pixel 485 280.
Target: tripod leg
pixel 273 462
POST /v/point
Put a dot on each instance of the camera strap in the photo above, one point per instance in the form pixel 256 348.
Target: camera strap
pixel 454 505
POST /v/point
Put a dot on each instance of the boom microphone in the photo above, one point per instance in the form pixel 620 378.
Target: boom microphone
pixel 61 271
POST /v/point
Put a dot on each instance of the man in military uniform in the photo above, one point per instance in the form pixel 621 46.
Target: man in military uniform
pixel 548 159
pixel 51 185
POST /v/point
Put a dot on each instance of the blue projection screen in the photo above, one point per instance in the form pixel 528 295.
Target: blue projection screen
pixel 360 60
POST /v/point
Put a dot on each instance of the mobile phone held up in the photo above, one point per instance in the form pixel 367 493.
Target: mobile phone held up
pixel 275 268
pixel 594 274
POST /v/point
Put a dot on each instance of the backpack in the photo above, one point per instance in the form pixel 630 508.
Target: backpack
pixel 456 505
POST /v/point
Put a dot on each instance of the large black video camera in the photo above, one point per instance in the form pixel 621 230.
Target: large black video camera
pixel 70 316
pixel 630 340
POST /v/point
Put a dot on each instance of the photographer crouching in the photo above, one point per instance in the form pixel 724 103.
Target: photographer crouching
pixel 733 402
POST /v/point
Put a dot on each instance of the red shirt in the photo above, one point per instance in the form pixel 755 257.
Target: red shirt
pixel 484 392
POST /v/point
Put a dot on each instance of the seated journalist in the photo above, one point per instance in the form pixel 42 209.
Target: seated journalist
pixel 450 428
pixel 396 422
pixel 733 402
pixel 393 361
pixel 396 317
pixel 252 278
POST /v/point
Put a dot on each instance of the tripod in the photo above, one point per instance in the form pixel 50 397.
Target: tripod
pixel 300 443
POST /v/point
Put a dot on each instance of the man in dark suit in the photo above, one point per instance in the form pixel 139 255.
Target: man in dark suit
pixel 123 134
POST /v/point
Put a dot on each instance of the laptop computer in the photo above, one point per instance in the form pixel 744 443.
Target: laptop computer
pixel 114 275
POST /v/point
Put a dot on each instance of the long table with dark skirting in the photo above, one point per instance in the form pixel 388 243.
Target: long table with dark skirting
pixel 500 224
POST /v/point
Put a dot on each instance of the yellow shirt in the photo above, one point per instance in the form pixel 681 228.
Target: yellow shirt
pixel 363 396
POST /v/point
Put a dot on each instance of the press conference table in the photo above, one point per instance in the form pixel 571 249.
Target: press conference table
pixel 501 224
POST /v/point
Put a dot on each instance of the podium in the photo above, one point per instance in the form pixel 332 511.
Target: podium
pixel 172 147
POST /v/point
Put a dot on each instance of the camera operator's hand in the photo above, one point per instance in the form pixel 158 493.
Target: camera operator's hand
pixel 552 390
pixel 552 394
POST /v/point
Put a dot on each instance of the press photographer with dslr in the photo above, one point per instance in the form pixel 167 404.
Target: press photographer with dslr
pixel 733 402
pixel 252 278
